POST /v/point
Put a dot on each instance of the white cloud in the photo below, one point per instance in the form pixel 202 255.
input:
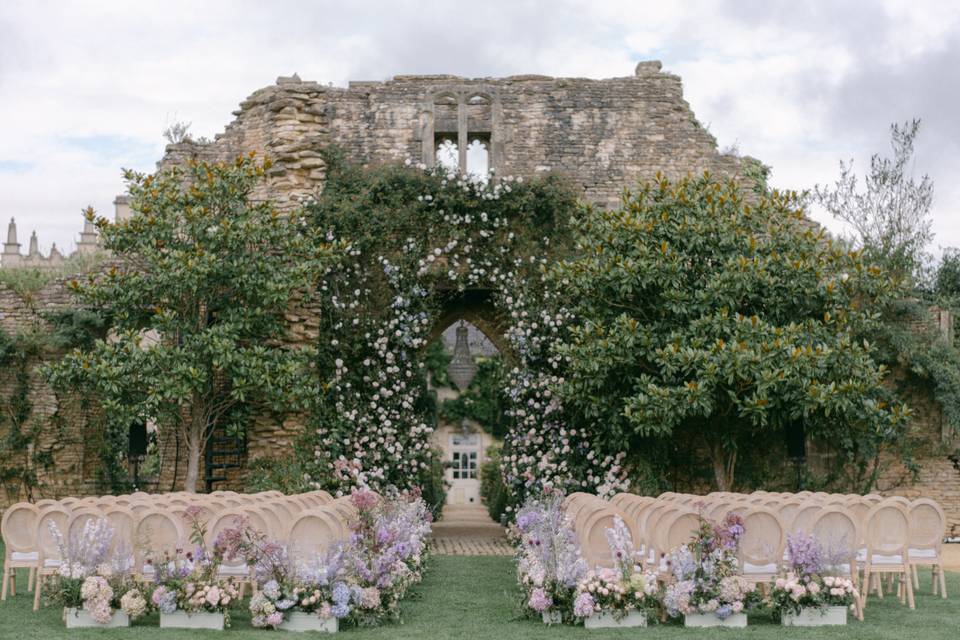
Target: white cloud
pixel 87 87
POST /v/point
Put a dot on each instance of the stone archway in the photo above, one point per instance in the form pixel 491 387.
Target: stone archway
pixel 477 307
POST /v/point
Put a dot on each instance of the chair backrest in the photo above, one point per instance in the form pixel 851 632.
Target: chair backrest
pixel 46 542
pixel 124 525
pixel 839 533
pixel 763 537
pixel 593 538
pixel 19 527
pixel 78 520
pixel 676 529
pixel 805 517
pixel 787 511
pixel 314 532
pixel 888 529
pixel 928 524
pixel 158 530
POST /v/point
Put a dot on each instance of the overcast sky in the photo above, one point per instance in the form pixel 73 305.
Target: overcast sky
pixel 87 87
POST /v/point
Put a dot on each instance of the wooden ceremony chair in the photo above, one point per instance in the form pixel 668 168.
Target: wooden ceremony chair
pixel 48 557
pixel 888 538
pixel 18 528
pixel 928 524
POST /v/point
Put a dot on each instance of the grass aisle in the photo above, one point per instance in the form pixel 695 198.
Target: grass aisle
pixel 475 598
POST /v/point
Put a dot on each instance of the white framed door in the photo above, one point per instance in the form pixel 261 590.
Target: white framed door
pixel 463 472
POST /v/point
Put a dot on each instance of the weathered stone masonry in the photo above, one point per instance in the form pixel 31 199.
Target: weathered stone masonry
pixel 603 135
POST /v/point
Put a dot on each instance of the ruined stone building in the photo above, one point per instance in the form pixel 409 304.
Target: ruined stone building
pixel 603 135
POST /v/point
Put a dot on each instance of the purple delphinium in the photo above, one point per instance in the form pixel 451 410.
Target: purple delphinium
pixel 804 554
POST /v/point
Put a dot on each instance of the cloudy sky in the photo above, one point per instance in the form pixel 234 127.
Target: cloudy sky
pixel 87 87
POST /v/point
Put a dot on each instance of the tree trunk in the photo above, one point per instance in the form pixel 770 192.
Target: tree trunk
pixel 195 439
pixel 719 471
pixel 193 465
pixel 724 464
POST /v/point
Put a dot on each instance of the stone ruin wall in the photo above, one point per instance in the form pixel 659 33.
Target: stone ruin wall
pixel 73 469
pixel 603 135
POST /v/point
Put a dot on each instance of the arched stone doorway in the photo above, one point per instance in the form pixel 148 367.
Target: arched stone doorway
pixel 469 321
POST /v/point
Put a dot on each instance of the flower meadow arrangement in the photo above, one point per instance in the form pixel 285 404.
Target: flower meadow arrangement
pixel 555 579
pixel 187 580
pixel 95 576
pixel 549 565
pixel 287 587
pixel 808 584
pixel 386 552
pixel 705 573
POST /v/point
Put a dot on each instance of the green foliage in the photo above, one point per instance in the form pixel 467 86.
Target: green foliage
pixel 494 492
pixel 483 401
pixel 284 474
pixel 890 216
pixel 27 281
pixel 20 453
pixel 197 305
pixel 718 323
pixel 433 484
pixel 436 360
pixel 417 240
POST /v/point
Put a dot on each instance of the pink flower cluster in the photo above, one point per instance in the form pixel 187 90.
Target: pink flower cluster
pixel 97 594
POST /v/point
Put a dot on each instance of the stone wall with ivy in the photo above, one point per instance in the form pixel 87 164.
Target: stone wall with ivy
pixel 46 449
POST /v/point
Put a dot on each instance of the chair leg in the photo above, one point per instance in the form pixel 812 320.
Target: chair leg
pixel 31 578
pixel 865 592
pixel 933 579
pixel 941 574
pixel 878 578
pixel 13 582
pixel 910 601
pixel 6 581
pixel 916 577
pixel 36 591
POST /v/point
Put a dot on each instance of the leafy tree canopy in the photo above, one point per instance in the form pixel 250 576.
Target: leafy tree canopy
pixel 205 275
pixel 714 319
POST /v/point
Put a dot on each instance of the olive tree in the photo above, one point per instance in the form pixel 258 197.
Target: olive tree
pixel 712 317
pixel 203 277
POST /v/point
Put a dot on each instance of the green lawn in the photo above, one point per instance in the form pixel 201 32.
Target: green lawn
pixel 475 598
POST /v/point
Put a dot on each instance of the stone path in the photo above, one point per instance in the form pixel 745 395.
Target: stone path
pixel 467 530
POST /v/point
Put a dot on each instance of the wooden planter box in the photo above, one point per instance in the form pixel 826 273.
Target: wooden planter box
pixel 76 618
pixel 813 617
pixel 184 620
pixel 552 617
pixel 605 620
pixel 737 620
pixel 300 621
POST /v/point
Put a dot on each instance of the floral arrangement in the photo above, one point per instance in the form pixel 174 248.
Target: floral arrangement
pixel 386 552
pixel 704 573
pixel 187 580
pixel 619 590
pixel 805 584
pixel 549 565
pixel 286 587
pixel 94 575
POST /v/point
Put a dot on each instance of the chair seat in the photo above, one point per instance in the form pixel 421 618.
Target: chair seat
pixel 759 568
pixel 233 570
pixel 923 554
pixel 51 562
pixel 879 560
pixel 25 556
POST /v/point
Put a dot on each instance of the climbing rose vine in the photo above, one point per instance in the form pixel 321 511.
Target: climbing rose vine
pixel 419 242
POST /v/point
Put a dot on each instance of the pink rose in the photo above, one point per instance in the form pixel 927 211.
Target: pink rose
pixel 213 596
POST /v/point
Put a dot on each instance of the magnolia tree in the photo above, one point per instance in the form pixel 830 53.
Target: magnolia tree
pixel 203 278
pixel 713 320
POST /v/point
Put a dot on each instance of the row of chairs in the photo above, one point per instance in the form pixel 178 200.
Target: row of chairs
pixel 308 523
pixel 884 536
